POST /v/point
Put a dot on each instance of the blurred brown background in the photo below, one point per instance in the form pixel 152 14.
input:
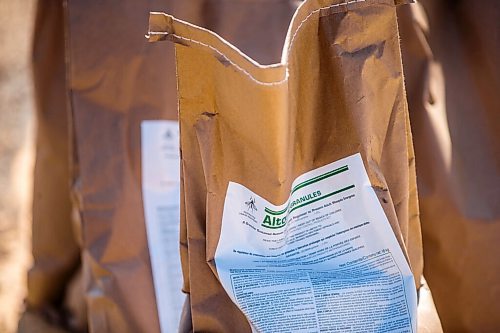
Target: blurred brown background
pixel 451 40
pixel 16 155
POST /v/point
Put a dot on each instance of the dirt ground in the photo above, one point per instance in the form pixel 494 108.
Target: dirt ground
pixel 16 155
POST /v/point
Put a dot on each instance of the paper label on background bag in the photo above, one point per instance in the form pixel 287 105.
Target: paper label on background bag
pixel 161 199
pixel 326 260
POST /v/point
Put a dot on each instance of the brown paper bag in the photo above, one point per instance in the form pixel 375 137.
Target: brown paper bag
pixel 115 82
pixel 338 91
pixel 450 57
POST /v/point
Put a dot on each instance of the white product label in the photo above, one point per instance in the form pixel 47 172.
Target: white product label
pixel 326 260
pixel 161 197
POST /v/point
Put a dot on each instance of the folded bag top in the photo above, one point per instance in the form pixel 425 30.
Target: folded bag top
pixel 163 26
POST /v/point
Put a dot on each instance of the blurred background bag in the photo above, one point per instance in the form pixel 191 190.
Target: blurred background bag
pixel 115 82
pixel 450 55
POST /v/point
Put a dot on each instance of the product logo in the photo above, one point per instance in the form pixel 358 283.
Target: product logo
pixel 274 222
pixel 251 206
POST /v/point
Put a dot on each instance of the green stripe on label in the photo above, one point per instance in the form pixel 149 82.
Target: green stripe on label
pixel 319 178
pixel 281 212
pixel 323 197
pixel 309 182
pixel 272 212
